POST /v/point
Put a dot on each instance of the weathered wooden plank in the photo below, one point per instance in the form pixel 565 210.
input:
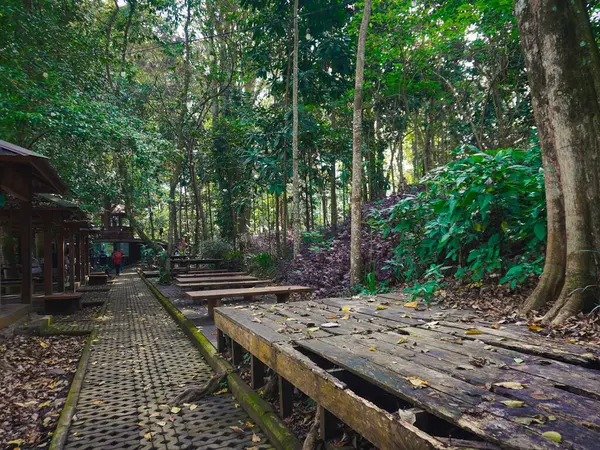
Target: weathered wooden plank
pixel 223 284
pixel 540 392
pixel 471 407
pixel 215 279
pixel 375 424
pixel 269 290
pixel 214 273
pixel 578 379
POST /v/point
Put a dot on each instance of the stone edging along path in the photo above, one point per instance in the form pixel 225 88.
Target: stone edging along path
pixel 256 407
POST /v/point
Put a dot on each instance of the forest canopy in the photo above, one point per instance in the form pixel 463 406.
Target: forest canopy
pixel 182 110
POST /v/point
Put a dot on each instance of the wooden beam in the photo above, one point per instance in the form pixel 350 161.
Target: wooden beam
pixel 60 259
pixel 26 254
pixel 48 260
pixel 237 353
pixel 71 260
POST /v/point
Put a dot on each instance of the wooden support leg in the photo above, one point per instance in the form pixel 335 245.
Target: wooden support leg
pixel 286 397
pixel 248 298
pixel 210 305
pixel 282 298
pixel 220 341
pixel 327 424
pixel 257 370
pixel 237 353
pixel 26 253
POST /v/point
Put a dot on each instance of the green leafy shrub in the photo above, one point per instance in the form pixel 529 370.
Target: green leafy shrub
pixel 215 249
pixel 317 239
pixel 482 215
pixel 263 264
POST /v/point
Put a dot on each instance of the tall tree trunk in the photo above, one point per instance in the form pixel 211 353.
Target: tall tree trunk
pixel 333 195
pixel 355 237
pixel 562 62
pixel 277 223
pixel 400 160
pixel 295 151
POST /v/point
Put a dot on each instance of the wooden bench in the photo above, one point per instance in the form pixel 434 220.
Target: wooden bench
pixel 60 303
pixel 213 298
pixel 97 278
pixel 457 384
pixel 223 284
pixel 215 273
pixel 214 279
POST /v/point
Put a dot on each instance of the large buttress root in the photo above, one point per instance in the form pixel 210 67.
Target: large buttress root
pixel 196 393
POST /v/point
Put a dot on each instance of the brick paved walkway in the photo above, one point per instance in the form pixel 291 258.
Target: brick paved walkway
pixel 139 359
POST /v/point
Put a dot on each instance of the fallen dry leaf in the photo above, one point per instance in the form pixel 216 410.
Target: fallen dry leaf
pixel 381 307
pixel 411 305
pixel 255 438
pixel 473 331
pixel 237 429
pixel 552 435
pixel 175 409
pixel 511 385
pixel 513 403
pixel 417 382
pixel 535 328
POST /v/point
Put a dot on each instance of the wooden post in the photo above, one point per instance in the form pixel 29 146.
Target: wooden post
pixel 286 397
pixel 26 244
pixel 327 424
pixel 48 257
pixel 77 255
pixel 257 371
pixel 60 259
pixel 237 353
pixel 81 257
pixel 70 241
pixel 220 341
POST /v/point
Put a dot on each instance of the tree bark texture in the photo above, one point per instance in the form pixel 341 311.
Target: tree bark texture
pixel 295 151
pixel 562 61
pixel 355 227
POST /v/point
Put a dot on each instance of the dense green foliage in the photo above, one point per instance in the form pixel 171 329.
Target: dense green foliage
pixel 480 216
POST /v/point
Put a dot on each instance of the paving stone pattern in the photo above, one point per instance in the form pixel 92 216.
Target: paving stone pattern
pixel 139 359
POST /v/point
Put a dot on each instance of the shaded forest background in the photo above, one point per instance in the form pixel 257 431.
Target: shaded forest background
pixel 181 110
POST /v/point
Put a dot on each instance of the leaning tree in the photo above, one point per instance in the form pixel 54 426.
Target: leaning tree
pixel 563 65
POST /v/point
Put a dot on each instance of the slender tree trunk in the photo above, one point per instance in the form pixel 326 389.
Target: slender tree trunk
pixel 295 151
pixel 415 145
pixel 562 62
pixel 355 237
pixel 333 195
pixel 400 160
pixel 277 221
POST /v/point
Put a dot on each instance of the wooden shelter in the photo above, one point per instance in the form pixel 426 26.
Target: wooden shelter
pixel 30 201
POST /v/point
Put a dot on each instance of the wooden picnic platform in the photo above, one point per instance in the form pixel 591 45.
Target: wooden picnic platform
pixel 433 379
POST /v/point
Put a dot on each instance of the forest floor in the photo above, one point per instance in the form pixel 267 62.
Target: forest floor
pixel 36 377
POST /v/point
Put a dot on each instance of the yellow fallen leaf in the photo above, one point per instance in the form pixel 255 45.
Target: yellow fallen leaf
pixel 535 327
pixel 411 305
pixel 255 438
pixel 401 341
pixel 249 424
pixel 175 409
pixel 373 349
pixel 346 317
pixel 511 385
pixel 417 382
pixel 222 391
pixel 193 407
pixel 495 326
pixel 148 436
pixel 513 403
pixel 552 435
pixel 473 331
pixel 346 308
pixel 237 429
pixel 381 307
pixel 141 424
pixel 161 423
pixel 43 344
pixel 43 405
pixel 16 442
pixel 589 355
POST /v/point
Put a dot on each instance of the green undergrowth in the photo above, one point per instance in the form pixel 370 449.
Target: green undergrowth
pixel 480 218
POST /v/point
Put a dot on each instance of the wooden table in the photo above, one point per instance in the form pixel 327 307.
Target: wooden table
pixel 213 298
pixel 453 374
